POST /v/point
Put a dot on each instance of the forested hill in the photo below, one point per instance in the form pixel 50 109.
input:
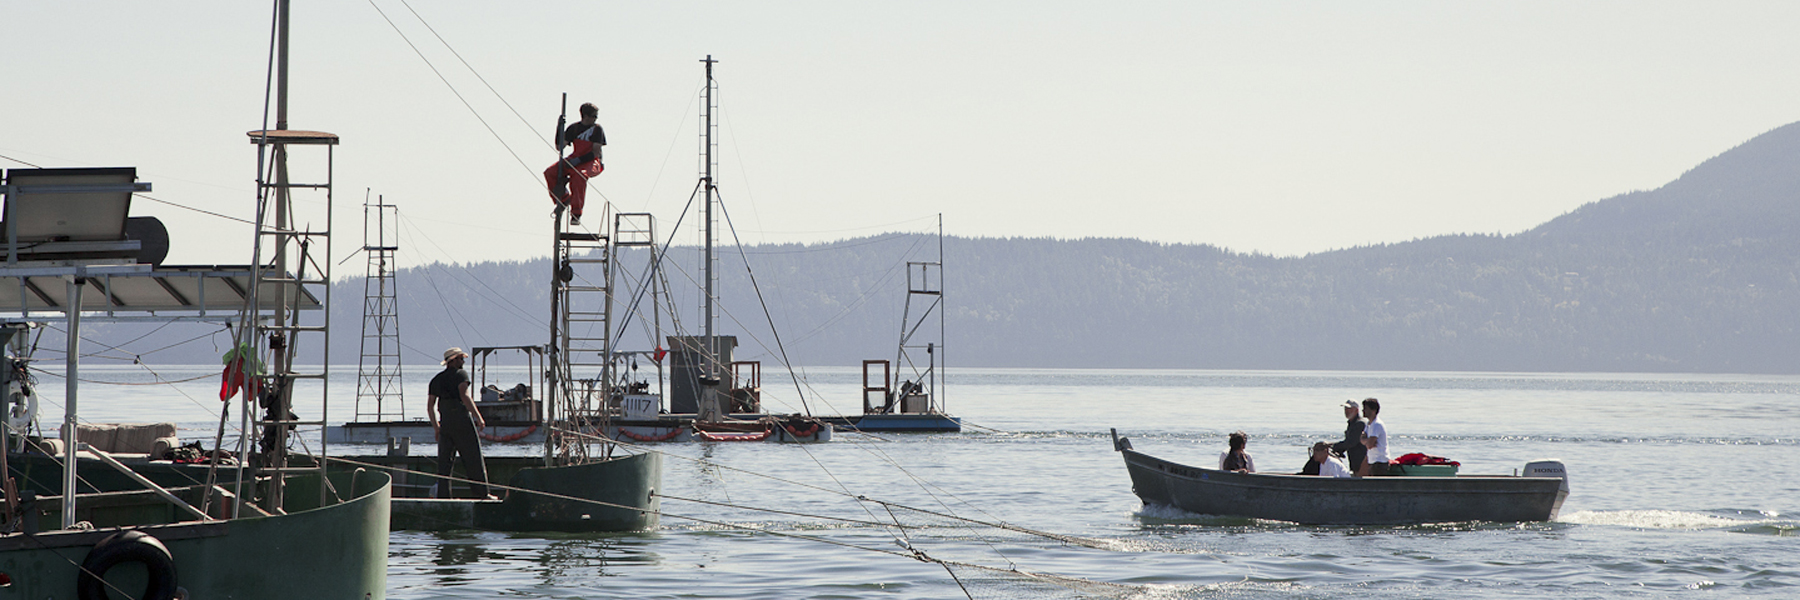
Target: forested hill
pixel 1696 276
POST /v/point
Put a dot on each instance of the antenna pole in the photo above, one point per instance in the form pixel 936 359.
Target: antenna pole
pixel 706 133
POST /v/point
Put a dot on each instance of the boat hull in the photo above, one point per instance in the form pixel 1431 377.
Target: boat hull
pixel 334 551
pixel 667 428
pixel 1348 501
pixel 617 494
pixel 591 494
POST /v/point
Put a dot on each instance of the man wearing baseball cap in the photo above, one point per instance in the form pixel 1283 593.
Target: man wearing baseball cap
pixel 452 424
pixel 1352 448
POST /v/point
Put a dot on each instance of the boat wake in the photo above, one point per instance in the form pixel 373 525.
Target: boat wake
pixel 1734 520
pixel 1158 514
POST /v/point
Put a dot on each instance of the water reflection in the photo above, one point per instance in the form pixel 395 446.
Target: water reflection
pixel 490 560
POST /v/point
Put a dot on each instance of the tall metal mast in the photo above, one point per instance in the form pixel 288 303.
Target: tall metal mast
pixel 283 361
pixel 296 276
pixel 706 175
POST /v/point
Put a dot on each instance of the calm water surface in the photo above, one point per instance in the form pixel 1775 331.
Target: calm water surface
pixel 1683 486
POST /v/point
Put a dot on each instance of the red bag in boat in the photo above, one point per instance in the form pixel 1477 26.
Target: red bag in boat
pixel 1417 458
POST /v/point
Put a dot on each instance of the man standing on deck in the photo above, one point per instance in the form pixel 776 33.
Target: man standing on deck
pixel 568 177
pixel 451 423
pixel 1352 448
pixel 1375 438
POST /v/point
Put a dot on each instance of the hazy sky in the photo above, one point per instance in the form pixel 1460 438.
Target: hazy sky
pixel 1278 127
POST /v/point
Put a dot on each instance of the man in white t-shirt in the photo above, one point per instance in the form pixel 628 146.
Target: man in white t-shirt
pixel 1375 438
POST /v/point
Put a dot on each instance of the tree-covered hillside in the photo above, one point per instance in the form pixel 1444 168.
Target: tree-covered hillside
pixel 1696 276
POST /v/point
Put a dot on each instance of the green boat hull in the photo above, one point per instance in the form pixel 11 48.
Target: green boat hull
pixel 617 494
pixel 337 550
pixel 611 495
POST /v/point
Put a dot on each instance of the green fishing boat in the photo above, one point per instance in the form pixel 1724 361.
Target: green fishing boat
pixel 169 553
pixel 263 526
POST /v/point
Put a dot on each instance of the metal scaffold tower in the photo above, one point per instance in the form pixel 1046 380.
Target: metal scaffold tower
pixel 580 339
pixel 380 395
pixel 291 270
pixel 917 377
pixel 632 230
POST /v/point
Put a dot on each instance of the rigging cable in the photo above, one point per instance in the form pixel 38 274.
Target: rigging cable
pixel 471 69
pixel 138 360
pixel 528 170
pixel 652 269
pixel 517 311
pixel 997 524
pixel 911 551
pixel 149 197
pixel 892 272
pixel 765 306
pixel 450 314
pixel 532 173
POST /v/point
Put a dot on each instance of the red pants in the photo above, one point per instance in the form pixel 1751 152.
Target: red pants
pixel 569 184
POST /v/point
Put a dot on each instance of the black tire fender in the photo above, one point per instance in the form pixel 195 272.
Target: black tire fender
pixel 123 547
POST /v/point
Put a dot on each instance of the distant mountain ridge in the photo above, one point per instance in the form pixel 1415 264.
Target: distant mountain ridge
pixel 1695 276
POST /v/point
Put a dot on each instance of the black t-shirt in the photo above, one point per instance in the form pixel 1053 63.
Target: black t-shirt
pixel 1311 468
pixel 447 386
pixel 593 134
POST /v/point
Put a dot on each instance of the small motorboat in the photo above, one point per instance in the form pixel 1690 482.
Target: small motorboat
pixel 1535 495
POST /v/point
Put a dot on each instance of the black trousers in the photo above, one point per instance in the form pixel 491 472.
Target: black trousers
pixel 458 436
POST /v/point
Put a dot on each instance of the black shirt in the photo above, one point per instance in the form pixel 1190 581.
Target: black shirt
pixel 447 386
pixel 593 134
pixel 1352 448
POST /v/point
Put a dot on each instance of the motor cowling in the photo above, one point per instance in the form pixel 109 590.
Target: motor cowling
pixel 1548 468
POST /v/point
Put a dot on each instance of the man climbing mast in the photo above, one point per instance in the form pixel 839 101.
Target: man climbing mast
pixel 568 177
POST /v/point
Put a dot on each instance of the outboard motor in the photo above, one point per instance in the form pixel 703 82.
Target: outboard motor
pixel 1548 468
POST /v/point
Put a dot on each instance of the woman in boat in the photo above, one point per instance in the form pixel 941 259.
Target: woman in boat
pixel 1237 459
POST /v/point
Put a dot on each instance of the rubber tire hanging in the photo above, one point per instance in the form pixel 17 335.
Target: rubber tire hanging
pixel 123 547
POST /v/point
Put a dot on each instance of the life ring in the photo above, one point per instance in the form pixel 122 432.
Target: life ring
pixel 22 406
pixel 650 438
pixel 123 547
pixel 510 438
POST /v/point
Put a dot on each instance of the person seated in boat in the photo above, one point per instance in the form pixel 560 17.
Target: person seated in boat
pixel 1237 459
pixel 1322 463
pixel 1351 448
pixel 1375 438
